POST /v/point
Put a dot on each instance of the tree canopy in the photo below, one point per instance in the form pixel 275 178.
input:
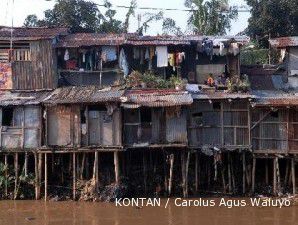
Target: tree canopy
pixel 212 17
pixel 272 18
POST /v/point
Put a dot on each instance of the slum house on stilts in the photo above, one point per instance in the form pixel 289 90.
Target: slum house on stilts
pixel 274 127
pixel 219 118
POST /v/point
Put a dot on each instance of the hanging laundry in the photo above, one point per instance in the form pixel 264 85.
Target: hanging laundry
pixel 151 52
pixel 222 49
pixel 162 56
pixel 179 57
pixel 123 64
pixel 234 49
pixel 142 56
pixel 66 55
pixel 171 59
pixel 136 53
pixel 110 52
pixel 147 55
pixel 207 47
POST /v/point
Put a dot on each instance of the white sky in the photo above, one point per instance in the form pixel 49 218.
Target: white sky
pixel 22 8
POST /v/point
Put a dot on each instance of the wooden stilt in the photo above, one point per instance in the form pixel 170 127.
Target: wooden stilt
pixel 243 172
pixel 223 178
pixel 197 172
pixel 52 163
pixel 183 173
pixel 186 173
pixel 82 166
pixel 215 167
pixel 293 175
pixel 287 173
pixel 278 176
pixel 26 164
pixel 229 173
pixel 253 181
pixel 16 167
pixel 274 177
pixel 95 171
pixel 36 176
pixel 116 165
pixel 6 175
pixel 267 172
pixel 74 176
pixel 165 182
pixel 39 174
pixel 233 175
pixel 145 172
pixel 45 177
pixel 171 174
pixel 87 166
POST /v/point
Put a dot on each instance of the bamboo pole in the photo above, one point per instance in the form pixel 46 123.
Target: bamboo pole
pixel 278 176
pixel 253 174
pixel 26 164
pixel 144 172
pixel 243 172
pixel 186 173
pixel 39 173
pixel 95 171
pixel 16 167
pixel 74 176
pixel 229 173
pixel 45 177
pixel 274 177
pixel 183 173
pixel 171 173
pixel 6 174
pixel 197 172
pixel 293 176
pixel 36 175
pixel 116 164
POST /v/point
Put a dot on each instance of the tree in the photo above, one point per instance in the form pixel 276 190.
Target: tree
pixel 211 17
pixel 149 17
pixel 31 21
pixel 169 27
pixel 78 15
pixel 272 18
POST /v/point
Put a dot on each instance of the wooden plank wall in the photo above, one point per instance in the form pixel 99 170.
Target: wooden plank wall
pixel 40 72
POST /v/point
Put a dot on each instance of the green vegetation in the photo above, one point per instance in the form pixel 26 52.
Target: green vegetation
pixel 151 80
pixel 238 84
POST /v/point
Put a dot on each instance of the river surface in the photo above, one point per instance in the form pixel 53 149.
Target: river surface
pixel 81 213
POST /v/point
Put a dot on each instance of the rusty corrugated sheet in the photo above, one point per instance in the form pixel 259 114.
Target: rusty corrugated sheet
pixel 22 98
pixel 32 33
pixel 90 39
pixel 87 94
pixel 158 98
pixel 276 98
pixel 221 95
pixel 158 40
pixel 284 42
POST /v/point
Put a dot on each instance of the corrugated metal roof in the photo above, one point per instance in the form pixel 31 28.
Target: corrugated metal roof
pixel 157 98
pixel 91 39
pixel 221 95
pixel 8 98
pixel 32 33
pixel 159 40
pixel 276 98
pixel 284 42
pixel 87 94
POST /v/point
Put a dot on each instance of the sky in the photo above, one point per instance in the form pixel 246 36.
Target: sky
pixel 22 8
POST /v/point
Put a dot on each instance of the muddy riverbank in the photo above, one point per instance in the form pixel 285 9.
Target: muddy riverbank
pixel 39 212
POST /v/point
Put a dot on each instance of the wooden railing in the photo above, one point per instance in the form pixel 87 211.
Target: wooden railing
pixel 21 55
pixel 4 55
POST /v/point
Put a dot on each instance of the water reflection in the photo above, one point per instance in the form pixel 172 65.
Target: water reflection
pixel 76 213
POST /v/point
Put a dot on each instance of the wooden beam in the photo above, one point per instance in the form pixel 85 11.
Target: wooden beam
pixel 39 173
pixel 197 172
pixel 6 174
pixel 260 120
pixel 293 176
pixel 274 177
pixel 243 173
pixel 74 176
pixel 171 173
pixel 36 175
pixel 26 164
pixel 116 165
pixel 253 174
pixel 16 167
pixel 45 177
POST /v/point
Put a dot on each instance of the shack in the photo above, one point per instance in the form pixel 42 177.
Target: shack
pixel 27 58
pixel 21 121
pixel 155 118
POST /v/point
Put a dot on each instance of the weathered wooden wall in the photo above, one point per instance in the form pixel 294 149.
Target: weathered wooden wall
pixel 219 124
pixel 40 72
pixel 25 131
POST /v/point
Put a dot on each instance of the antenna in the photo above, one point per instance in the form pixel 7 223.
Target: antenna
pixel 11 30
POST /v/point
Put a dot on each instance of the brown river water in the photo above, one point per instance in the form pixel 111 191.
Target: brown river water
pixel 77 213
